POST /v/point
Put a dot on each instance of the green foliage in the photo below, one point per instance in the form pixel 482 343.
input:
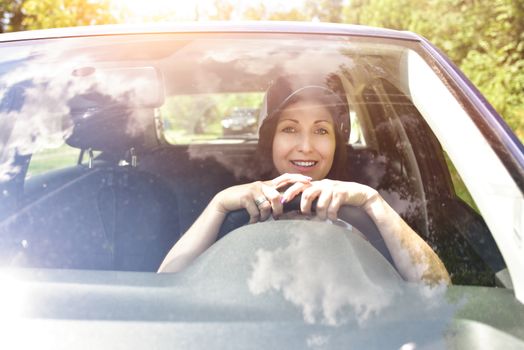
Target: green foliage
pixel 321 10
pixel 496 62
pixel 65 13
pixel 11 15
pixel 485 38
pixel 324 10
pixel 261 12
pixel 381 13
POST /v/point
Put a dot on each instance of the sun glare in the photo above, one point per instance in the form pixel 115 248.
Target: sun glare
pixel 187 10
pixel 13 298
pixel 140 10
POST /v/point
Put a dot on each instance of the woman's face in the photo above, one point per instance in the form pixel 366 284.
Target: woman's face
pixel 304 140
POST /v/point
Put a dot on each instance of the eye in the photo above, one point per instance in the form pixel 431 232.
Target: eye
pixel 321 131
pixel 288 129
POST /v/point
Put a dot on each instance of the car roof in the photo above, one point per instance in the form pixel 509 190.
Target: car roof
pixel 211 27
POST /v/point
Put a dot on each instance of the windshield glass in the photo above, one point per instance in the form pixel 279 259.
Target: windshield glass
pixel 112 146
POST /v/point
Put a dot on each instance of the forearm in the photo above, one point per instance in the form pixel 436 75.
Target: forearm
pixel 203 233
pixel 200 236
pixel 413 257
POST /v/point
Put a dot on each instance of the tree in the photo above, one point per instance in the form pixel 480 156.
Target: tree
pixel 261 12
pixel 65 13
pixel 324 10
pixel 485 39
pixel 495 62
pixel 223 10
pixel 11 15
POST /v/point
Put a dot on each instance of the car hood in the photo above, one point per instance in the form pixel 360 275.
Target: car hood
pixel 223 304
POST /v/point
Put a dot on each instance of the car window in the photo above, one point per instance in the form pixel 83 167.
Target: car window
pixel 52 159
pixel 459 186
pixel 206 117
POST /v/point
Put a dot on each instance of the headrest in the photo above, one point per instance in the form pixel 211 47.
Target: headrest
pixel 115 107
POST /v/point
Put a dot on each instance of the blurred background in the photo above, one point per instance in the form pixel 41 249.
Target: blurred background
pixel 484 38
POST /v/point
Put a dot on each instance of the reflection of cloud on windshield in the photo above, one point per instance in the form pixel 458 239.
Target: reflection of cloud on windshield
pixel 8 168
pixel 317 341
pixel 292 56
pixel 247 57
pixel 35 102
pixel 32 113
pixel 432 294
pixel 318 272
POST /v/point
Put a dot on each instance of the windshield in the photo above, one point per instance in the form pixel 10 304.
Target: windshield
pixel 112 146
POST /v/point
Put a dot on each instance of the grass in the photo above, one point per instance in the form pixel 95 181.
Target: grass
pixel 52 159
pixel 460 188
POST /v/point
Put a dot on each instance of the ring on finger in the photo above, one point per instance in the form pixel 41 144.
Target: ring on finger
pixel 260 200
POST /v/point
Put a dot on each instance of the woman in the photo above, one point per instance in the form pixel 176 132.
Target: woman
pixel 302 146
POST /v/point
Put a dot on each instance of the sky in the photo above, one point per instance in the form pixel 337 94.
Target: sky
pixel 139 10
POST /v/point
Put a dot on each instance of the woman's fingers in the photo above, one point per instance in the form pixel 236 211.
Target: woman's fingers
pixel 261 202
pixel 267 200
pixel 334 205
pixel 262 199
pixel 324 201
pixel 264 208
pixel 308 196
pixel 330 196
pixel 323 192
pixel 295 189
pixel 286 179
pixel 253 211
pixel 334 194
pixel 273 200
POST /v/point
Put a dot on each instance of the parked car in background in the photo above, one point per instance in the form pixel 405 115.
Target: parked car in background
pixel 241 121
pixel 102 168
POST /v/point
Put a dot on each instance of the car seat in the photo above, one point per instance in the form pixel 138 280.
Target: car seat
pixel 103 215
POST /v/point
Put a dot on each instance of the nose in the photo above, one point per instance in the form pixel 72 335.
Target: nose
pixel 305 144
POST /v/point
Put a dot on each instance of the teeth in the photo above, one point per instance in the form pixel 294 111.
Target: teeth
pixel 304 164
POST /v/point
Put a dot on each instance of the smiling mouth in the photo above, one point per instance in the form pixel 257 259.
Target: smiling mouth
pixel 304 164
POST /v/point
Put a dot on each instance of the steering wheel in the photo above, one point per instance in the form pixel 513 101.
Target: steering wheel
pixel 353 215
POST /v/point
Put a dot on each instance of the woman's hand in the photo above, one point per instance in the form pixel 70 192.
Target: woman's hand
pixel 259 198
pixel 331 196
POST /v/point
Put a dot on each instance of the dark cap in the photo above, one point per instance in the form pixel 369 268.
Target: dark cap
pixel 327 90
